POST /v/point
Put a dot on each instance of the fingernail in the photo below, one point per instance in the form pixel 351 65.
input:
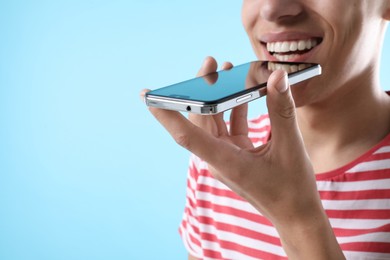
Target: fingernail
pixel 282 84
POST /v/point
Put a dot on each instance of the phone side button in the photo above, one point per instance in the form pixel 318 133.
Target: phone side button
pixel 244 98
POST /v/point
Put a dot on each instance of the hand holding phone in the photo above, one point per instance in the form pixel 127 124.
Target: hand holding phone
pixel 255 173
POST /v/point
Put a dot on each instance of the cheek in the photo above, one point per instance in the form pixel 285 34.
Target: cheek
pixel 249 15
pixel 251 21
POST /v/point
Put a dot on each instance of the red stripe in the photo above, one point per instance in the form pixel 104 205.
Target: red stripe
pixel 212 254
pixel 258 140
pixel 234 212
pixel 194 241
pixel 204 173
pixel 219 192
pixel 190 188
pixel 193 171
pixel 240 248
pixel 355 195
pixel 359 214
pixel 382 175
pixel 379 156
pixel 341 232
pixel 240 231
pixel 191 204
pixel 367 176
pixel 374 247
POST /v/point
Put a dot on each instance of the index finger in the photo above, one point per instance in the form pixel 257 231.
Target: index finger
pixel 195 139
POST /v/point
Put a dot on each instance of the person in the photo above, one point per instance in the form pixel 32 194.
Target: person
pixel 310 180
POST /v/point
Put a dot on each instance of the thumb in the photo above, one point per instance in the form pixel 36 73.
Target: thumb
pixel 281 109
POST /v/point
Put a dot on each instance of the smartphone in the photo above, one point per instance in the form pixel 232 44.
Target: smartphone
pixel 223 90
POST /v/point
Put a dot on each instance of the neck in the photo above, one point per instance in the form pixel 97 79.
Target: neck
pixel 346 125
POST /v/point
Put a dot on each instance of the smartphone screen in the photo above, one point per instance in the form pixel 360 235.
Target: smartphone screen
pixel 222 90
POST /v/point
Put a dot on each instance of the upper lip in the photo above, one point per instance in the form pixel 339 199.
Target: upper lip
pixel 288 36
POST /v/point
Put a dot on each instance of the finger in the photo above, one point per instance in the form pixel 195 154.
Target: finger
pixel 142 94
pixel 213 77
pixel 209 65
pixel 227 65
pixel 219 118
pixel 281 108
pixel 220 124
pixel 195 139
pixel 239 120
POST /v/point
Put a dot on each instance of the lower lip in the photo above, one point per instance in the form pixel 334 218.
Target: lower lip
pixel 298 58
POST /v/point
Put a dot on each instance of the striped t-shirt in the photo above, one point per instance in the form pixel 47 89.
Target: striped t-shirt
pixel 218 224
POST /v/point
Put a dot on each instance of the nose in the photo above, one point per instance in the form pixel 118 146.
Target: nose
pixel 280 10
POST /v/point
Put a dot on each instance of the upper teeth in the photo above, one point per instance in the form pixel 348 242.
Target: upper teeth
pixel 289 46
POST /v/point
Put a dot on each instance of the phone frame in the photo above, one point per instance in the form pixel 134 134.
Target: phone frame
pixel 236 99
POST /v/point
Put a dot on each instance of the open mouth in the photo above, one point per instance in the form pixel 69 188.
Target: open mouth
pixel 292 50
pixel 287 67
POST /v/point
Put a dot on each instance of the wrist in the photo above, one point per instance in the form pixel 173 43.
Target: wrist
pixel 309 236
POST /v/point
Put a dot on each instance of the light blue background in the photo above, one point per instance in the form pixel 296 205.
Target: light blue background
pixel 85 171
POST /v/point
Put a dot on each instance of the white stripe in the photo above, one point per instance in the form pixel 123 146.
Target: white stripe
pixel 382 184
pixel 212 182
pixel 192 223
pixel 197 162
pixel 365 256
pixel 238 221
pixel 354 224
pixel 226 254
pixel 356 204
pixel 371 166
pixel 227 202
pixel 384 149
pixel 257 134
pixel 258 125
pixel 193 183
pixel 188 205
pixel 372 237
pixel 235 238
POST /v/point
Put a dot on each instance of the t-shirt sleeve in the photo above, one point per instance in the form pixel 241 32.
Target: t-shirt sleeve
pixel 189 227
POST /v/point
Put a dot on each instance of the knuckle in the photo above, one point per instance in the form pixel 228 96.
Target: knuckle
pixel 287 109
pixel 182 140
pixel 287 112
